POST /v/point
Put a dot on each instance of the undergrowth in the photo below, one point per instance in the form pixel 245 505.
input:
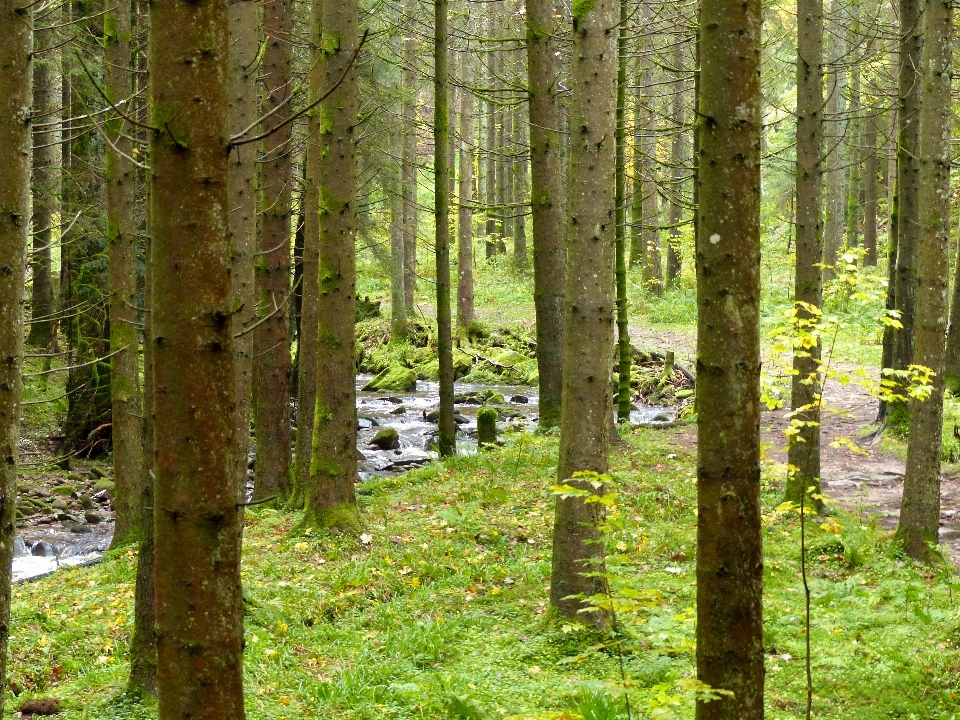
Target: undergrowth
pixel 437 607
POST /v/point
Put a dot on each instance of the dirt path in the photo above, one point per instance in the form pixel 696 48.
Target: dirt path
pixel 867 483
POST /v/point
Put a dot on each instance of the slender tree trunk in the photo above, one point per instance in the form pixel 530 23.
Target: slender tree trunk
pixel 331 498
pixel 652 264
pixel 122 258
pixel 854 154
pixel 45 104
pixel 804 448
pixel 16 97
pixel 309 320
pixel 587 398
pixel 729 546
pixel 447 439
pixel 410 122
pixel 242 188
pixel 889 332
pixel 271 339
pixel 520 188
pixel 199 600
pixel 871 173
pixel 919 525
pixel 637 170
pixel 907 207
pixel 674 257
pixel 623 320
pixel 465 307
pixel 835 171
pixel 490 192
pixel 546 201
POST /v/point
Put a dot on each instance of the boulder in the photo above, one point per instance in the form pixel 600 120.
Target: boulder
pixel 397 379
pixel 386 439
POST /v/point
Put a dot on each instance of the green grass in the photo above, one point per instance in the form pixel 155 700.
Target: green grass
pixel 437 608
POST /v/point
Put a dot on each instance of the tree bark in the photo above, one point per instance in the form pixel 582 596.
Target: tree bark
pixel 45 103
pixel 447 438
pixel 271 339
pixel 871 176
pixel 122 259
pixel 546 201
pixel 624 401
pixel 242 189
pixel 520 189
pixel 588 333
pixel 650 258
pixel 410 157
pixel 918 528
pixel 804 447
pixel 465 305
pixel 729 548
pixel 331 498
pixel 199 601
pixel 16 97
pixel 834 170
pixel 679 157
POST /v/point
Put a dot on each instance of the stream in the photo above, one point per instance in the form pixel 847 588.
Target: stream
pixel 42 549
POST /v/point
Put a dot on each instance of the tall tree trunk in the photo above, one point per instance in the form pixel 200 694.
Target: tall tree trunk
pixel 199 600
pixel 871 175
pixel 919 525
pixel 410 157
pixel 490 146
pixel 465 306
pixel 636 171
pixel 854 154
pixel 16 97
pixel 890 303
pixel 729 547
pixel 331 498
pixel 447 439
pixel 242 188
pixel 271 339
pixel 679 157
pixel 45 103
pixel 624 401
pixel 546 202
pixel 652 265
pixel 520 188
pixel 835 170
pixel 804 448
pixel 587 398
pixel 907 206
pixel 122 258
pixel 309 320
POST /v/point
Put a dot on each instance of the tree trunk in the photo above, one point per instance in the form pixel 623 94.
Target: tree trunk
pixel 16 97
pixel 679 157
pixel 447 439
pixel 854 155
pixel 624 401
pixel 919 525
pixel 890 303
pixel 835 129
pixel 871 173
pixel 242 188
pixel 907 207
pixel 804 447
pixel 546 202
pixel 587 398
pixel 520 188
pixel 331 499
pixel 309 320
pixel 652 265
pixel 729 548
pixel 199 601
pixel 271 339
pixel 490 146
pixel 465 306
pixel 410 157
pixel 122 258
pixel 45 104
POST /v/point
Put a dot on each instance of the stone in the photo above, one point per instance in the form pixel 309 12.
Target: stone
pixel 400 379
pixel 19 547
pixel 386 439
pixel 97 473
pixel 520 399
pixel 86 503
pixel 44 549
pixel 93 518
pixel 949 533
pixel 365 423
pixel 399 410
pixel 486 426
pixel 80 529
pixel 104 484
pixel 60 504
pixel 65 490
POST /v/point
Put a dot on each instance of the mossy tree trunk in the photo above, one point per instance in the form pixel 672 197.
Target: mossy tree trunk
pixel 465 305
pixel 447 439
pixel 242 189
pixel 122 257
pixel 271 338
pixel 16 97
pixel 45 106
pixel 804 448
pixel 546 189
pixel 918 528
pixel 307 341
pixel 729 546
pixel 330 496
pixel 198 593
pixel 410 139
pixel 588 333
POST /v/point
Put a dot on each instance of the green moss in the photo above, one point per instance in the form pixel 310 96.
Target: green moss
pixel 393 379
pixel 581 8
pixel 342 517
pixel 64 490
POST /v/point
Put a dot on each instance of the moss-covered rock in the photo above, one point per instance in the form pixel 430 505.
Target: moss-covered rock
pixel 487 426
pixel 104 484
pixel 64 490
pixel 386 439
pixel 398 379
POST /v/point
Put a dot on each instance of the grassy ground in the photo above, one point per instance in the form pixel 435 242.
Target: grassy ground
pixel 437 608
